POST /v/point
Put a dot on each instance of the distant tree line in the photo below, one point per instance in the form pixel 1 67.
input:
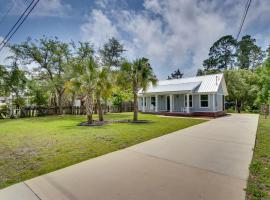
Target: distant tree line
pixel 49 72
pixel 246 68
pixel 176 75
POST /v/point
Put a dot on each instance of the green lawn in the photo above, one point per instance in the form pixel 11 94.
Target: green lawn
pixel 259 179
pixel 33 146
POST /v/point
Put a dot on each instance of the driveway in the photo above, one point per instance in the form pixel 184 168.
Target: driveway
pixel 207 161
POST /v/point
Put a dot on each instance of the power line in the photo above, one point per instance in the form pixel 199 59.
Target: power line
pixel 243 14
pixel 19 26
pixel 243 18
pixel 13 27
pixel 19 22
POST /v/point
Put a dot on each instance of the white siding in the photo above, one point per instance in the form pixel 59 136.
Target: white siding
pixel 197 104
pixel 178 102
pixel 162 106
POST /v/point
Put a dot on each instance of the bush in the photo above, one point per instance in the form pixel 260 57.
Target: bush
pixel 3 111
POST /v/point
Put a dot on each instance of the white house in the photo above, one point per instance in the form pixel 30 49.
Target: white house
pixel 200 95
pixel 4 100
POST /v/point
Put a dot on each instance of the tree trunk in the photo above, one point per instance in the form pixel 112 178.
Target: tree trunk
pixel 89 108
pixel 89 119
pixel 60 104
pixel 100 111
pixel 135 114
pixel 12 108
pixel 55 103
pixel 72 103
pixel 95 108
pixel 120 107
pixel 238 106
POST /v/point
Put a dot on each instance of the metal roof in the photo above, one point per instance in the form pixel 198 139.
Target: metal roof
pixel 174 87
pixel 198 84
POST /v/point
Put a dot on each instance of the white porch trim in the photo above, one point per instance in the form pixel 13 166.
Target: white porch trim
pixel 156 106
pixel 171 103
pixel 143 106
pixel 214 102
pixel 188 109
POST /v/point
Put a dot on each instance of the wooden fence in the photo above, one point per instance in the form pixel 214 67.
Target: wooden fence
pixel 69 110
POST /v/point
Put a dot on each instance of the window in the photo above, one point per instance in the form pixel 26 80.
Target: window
pixel 153 101
pixel 190 100
pixel 204 100
pixel 145 98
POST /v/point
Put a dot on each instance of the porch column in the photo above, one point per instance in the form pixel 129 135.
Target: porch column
pixel 143 107
pixel 188 110
pixel 156 107
pixel 171 102
pixel 214 102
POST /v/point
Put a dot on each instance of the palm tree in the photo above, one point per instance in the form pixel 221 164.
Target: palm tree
pixel 86 80
pixel 140 75
pixel 103 89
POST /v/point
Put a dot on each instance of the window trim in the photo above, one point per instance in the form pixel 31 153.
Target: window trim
pixel 208 106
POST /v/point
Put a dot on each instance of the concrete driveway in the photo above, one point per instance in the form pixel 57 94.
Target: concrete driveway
pixel 207 161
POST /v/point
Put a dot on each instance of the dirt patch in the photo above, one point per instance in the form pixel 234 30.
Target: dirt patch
pixel 101 123
pixel 141 122
pixel 95 123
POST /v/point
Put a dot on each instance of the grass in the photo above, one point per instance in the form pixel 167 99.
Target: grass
pixel 33 146
pixel 258 187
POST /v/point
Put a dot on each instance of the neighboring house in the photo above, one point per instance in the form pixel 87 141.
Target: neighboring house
pixel 201 95
pixel 4 100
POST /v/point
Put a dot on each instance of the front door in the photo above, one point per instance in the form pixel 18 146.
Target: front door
pixel 168 103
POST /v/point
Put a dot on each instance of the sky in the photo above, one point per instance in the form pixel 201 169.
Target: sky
pixel 171 33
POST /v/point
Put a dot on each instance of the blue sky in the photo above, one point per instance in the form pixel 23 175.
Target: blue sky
pixel 171 33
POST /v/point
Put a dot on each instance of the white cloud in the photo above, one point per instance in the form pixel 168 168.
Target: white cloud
pixel 153 5
pixel 102 3
pixel 44 8
pixel 258 13
pixel 98 28
pixel 4 54
pixel 172 33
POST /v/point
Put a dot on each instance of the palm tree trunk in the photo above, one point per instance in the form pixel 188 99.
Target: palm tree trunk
pixel 89 108
pixel 89 119
pixel 100 111
pixel 135 113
